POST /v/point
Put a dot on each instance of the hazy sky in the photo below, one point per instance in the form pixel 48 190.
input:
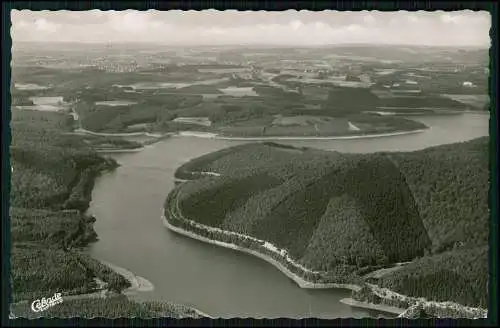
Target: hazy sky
pixel 210 27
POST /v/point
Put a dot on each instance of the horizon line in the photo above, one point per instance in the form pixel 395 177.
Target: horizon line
pixel 151 43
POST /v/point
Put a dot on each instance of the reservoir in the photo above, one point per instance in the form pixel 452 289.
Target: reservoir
pixel 223 283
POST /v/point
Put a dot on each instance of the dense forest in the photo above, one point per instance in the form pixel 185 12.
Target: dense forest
pixel 460 275
pixel 245 116
pixel 355 211
pixel 51 183
pixel 113 307
pixel 423 102
pixel 150 109
pixel 450 185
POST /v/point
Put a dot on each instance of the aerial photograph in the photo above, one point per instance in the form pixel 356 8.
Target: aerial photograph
pixel 249 164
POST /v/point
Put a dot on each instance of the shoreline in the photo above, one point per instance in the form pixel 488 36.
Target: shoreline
pixel 372 306
pixel 138 283
pixel 209 135
pixel 294 277
pixel 383 293
pixel 301 282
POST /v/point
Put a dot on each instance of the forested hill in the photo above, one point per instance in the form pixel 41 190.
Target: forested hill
pixel 51 183
pixel 353 213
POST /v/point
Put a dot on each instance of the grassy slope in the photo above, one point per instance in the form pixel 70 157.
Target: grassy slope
pixel 361 210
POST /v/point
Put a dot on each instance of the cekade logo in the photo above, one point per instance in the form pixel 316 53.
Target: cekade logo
pixel 45 303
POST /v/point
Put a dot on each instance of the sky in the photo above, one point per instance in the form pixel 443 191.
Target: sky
pixel 291 27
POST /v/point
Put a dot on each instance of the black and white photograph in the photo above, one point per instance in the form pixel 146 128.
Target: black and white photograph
pixel 249 164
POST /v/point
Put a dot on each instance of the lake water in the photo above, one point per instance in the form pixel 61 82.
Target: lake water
pixel 128 203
